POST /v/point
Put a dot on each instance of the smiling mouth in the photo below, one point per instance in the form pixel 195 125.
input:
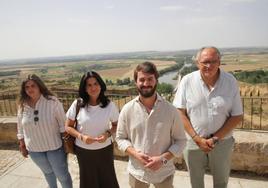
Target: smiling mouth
pixel 147 87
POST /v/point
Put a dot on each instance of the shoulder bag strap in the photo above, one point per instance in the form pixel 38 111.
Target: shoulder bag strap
pixel 78 106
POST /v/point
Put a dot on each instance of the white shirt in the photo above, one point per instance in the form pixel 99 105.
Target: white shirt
pixel 153 134
pixel 208 110
pixel 93 121
pixel 44 134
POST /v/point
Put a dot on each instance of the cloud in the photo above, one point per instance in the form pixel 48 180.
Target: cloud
pixel 204 20
pixel 109 7
pixel 172 8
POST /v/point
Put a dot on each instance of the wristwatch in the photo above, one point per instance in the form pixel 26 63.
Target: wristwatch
pixel 164 160
pixel 215 139
pixel 109 133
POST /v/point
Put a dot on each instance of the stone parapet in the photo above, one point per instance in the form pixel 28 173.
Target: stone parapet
pixel 8 130
pixel 250 150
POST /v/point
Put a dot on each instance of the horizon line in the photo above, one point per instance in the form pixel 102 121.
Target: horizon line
pixel 114 53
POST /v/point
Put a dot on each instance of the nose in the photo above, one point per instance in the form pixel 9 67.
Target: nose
pixel 207 65
pixel 146 83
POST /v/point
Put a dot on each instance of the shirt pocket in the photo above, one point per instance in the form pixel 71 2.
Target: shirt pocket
pixel 221 105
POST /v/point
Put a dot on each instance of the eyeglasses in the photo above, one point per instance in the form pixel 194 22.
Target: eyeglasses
pixel 36 118
pixel 207 63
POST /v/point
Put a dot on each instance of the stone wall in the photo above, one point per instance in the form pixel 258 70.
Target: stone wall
pixel 250 150
pixel 8 130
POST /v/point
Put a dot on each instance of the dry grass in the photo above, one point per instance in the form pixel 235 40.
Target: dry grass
pixel 253 89
pixel 125 72
pixel 245 67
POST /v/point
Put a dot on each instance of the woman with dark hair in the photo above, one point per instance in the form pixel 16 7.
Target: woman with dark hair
pixel 41 120
pixel 96 121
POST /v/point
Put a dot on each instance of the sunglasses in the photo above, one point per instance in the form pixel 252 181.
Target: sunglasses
pixel 36 119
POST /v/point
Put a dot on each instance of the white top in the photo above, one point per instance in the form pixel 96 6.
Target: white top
pixel 153 134
pixel 208 110
pixel 44 134
pixel 93 121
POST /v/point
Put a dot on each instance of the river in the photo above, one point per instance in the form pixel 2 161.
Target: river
pixel 168 78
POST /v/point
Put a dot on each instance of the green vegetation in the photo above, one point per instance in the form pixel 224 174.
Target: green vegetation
pixel 253 77
pixel 170 69
pixel 187 70
pixel 9 73
pixel 164 88
pixel 120 82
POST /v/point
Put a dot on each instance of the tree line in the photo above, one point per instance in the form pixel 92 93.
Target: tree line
pixel 253 77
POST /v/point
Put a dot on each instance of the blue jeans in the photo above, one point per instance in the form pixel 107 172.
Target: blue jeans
pixel 53 164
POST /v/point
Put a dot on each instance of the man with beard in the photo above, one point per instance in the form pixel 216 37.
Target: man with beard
pixel 150 131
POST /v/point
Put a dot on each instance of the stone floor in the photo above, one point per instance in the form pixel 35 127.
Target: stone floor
pixel 16 171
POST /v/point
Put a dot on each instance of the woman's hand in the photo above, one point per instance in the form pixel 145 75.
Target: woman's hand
pixel 88 139
pixel 23 150
pixel 102 138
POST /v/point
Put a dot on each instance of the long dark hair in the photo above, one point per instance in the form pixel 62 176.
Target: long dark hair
pixel 104 101
pixel 43 89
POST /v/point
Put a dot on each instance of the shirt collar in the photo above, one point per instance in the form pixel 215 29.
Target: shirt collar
pixel 158 98
pixel 218 80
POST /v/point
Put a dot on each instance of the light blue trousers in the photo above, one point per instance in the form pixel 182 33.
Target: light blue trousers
pixel 53 164
pixel 218 161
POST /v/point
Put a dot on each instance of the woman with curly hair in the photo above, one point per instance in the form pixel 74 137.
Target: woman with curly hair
pixel 41 120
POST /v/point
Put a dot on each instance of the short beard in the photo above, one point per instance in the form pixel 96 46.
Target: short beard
pixel 147 94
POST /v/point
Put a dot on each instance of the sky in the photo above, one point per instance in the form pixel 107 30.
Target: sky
pixel 47 28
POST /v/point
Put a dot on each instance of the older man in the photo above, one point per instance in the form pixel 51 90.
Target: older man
pixel 210 106
pixel 150 131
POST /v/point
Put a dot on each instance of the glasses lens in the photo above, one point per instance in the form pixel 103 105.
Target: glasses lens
pixel 36 112
pixel 36 119
pixel 208 62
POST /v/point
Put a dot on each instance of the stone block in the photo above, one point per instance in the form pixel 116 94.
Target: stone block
pixel 250 151
pixel 8 130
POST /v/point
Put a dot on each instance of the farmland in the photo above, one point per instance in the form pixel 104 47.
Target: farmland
pixel 66 72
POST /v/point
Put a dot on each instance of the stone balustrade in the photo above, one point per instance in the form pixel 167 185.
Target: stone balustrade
pixel 250 150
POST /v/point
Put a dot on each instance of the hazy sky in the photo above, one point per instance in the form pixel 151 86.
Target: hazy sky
pixel 41 28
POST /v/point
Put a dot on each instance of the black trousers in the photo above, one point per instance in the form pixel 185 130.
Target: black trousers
pixel 96 168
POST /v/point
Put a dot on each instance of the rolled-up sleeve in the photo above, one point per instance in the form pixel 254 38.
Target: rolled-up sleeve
pixel 122 135
pixel 60 115
pixel 177 135
pixel 180 96
pixel 19 125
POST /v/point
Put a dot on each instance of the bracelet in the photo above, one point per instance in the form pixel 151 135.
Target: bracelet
pixel 194 135
pixel 109 133
pixel 80 137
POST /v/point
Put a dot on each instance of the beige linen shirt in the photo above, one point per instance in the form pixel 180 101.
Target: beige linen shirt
pixel 153 134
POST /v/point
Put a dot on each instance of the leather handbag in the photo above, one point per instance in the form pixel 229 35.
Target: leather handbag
pixel 68 140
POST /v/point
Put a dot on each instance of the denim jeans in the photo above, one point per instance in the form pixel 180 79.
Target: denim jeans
pixel 53 164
